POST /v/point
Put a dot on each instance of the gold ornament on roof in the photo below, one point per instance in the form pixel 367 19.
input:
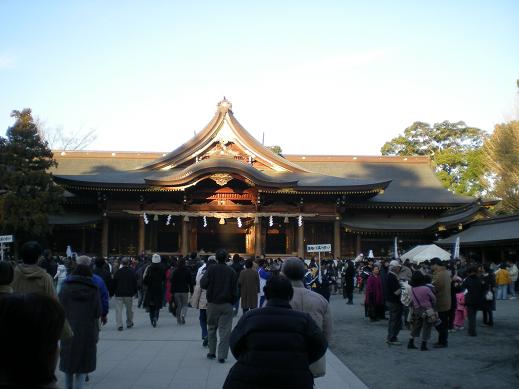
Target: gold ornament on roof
pixel 221 178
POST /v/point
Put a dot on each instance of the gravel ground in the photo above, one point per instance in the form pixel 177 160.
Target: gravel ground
pixel 490 360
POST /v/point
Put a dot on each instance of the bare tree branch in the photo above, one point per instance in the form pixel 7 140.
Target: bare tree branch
pixel 58 139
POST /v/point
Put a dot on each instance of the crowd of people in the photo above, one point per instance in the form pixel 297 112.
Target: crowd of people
pixel 67 300
pixel 440 294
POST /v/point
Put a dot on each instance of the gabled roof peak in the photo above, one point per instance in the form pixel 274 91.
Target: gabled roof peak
pixel 224 105
pixel 222 130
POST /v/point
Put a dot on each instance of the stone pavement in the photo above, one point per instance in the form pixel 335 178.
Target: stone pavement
pixel 172 356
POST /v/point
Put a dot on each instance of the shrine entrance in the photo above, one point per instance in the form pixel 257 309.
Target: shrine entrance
pixel 214 235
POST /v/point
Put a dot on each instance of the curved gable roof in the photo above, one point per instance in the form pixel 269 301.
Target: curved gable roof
pixel 195 172
pixel 223 127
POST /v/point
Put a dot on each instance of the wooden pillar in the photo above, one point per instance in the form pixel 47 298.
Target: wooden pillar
pixel 290 237
pixel 249 240
pixel 301 241
pixel 104 238
pixel 154 237
pixel 258 249
pixel 337 238
pixel 193 235
pixel 357 245
pixel 140 236
pixel 185 238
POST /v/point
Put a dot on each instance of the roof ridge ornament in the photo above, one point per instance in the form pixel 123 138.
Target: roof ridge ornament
pixel 224 105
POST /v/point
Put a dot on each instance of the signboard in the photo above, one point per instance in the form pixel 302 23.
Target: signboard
pixel 6 239
pixel 319 248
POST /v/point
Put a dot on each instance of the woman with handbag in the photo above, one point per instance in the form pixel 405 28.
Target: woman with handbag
pixel 423 315
pixel 489 288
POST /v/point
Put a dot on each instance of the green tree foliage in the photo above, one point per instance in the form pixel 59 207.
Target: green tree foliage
pixel 501 156
pixel 454 148
pixel 29 194
pixel 275 149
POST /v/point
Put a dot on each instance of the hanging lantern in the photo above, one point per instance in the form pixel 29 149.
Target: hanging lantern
pixel 300 221
pixel 239 222
pixel 205 221
pixel 286 220
pixel 271 221
pixel 156 218
pixel 186 218
pixel 222 221
pixel 256 220
pixel 168 220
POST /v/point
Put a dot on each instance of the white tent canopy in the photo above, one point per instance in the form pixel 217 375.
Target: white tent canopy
pixel 426 252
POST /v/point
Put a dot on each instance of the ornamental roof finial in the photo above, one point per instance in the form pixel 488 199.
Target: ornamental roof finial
pixel 224 105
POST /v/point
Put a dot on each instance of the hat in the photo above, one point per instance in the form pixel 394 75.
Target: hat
pixel 436 261
pixel 155 258
pixel 394 262
pixel 83 260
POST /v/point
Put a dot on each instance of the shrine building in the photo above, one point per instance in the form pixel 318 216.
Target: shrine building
pixel 223 188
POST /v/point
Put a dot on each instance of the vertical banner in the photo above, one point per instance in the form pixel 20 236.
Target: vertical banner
pixel 395 248
pixel 457 248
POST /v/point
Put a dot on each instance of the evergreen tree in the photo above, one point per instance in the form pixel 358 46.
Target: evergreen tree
pixel 29 193
pixel 501 156
pixel 454 148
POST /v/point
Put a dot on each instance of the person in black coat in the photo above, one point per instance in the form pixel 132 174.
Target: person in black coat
pixel 103 271
pixel 474 298
pixel 81 300
pixel 348 279
pixel 275 345
pixel 154 280
pixel 237 266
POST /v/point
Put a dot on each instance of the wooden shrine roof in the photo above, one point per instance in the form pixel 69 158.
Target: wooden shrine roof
pixel 412 178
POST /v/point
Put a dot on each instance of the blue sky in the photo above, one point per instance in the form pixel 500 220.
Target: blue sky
pixel 327 77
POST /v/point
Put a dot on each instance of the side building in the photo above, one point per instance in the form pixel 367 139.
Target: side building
pixel 223 188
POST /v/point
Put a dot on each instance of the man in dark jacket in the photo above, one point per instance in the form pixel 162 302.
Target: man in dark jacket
pixel 220 281
pixel 125 287
pixel 275 345
pixel 394 306
pixel 181 286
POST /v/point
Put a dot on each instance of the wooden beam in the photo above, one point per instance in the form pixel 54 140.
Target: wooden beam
pixel 140 237
pixel 104 238
pixel 301 241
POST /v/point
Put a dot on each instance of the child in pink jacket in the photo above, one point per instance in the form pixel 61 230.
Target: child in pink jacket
pixel 461 311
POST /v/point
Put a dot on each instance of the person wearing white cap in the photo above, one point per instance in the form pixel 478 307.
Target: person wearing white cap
pixel 394 306
pixel 154 279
